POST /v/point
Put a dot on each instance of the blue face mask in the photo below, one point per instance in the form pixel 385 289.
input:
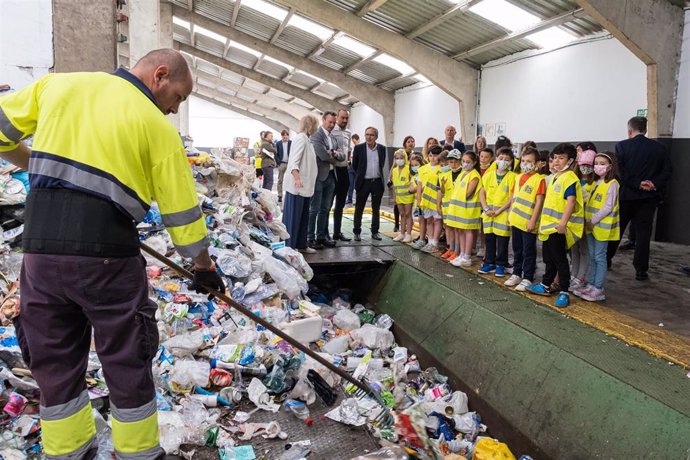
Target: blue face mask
pixel 445 168
pixel 415 169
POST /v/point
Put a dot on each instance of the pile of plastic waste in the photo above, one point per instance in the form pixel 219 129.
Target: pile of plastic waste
pixel 215 367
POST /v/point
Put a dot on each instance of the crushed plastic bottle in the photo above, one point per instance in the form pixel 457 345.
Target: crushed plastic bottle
pixel 299 410
pixel 349 411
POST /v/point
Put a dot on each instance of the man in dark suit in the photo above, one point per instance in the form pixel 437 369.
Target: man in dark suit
pixel 645 169
pixel 368 159
pixel 449 138
pixel 327 155
pixel 282 153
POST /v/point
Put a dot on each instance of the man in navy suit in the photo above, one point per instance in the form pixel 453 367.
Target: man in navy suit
pixel 449 138
pixel 368 159
pixel 645 169
pixel 282 153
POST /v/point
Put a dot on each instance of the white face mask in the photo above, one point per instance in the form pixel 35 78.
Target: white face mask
pixel 400 161
pixel 527 167
pixel 502 165
pixel 564 168
pixel 586 169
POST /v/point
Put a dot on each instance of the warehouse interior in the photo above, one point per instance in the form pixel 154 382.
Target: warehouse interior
pixel 595 380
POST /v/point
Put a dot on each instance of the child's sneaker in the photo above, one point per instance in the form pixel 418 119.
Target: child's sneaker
pixel 576 283
pixel 453 255
pixel 487 268
pixel 447 254
pixel 514 280
pixel 524 284
pixel 538 289
pixel 594 295
pixel 429 248
pixel 419 244
pixel 466 261
pixel 563 300
pixel 500 271
pixel 582 289
pixel 399 237
pixel 407 239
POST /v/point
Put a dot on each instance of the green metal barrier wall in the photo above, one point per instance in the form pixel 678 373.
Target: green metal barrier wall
pixel 575 392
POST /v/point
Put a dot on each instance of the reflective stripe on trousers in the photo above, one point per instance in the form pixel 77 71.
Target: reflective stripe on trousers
pixel 68 429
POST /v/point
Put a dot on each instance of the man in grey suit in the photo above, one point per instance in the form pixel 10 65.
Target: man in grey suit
pixel 327 155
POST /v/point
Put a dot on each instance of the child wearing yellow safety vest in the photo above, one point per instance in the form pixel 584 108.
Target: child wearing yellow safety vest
pixel 464 209
pixel 495 197
pixel 579 254
pixel 404 198
pixel 448 180
pixel 561 224
pixel 407 151
pixel 430 223
pixel 602 225
pixel 525 210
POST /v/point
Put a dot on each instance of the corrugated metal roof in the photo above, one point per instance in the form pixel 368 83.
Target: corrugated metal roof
pixel 255 86
pixel 400 83
pixel 241 57
pixel 209 44
pixel 232 77
pixel 273 69
pixel 303 80
pixel 255 23
pixel 378 72
pixel 207 67
pixel 460 33
pixel 298 41
pixel 218 10
pixel 342 57
pixel 403 16
pixel 279 94
pixel 350 5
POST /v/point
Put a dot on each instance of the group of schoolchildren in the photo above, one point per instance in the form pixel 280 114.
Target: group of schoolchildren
pixel 566 198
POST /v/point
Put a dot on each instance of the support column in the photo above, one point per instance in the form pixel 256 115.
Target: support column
pixel 653 31
pixel 183 118
pixel 84 35
pixel 144 28
pixel 165 40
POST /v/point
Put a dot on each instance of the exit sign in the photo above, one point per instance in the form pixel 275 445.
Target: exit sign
pixel 641 112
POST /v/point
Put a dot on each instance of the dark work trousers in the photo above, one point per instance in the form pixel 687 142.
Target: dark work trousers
pixel 373 187
pixel 63 297
pixel 641 213
pixel 555 254
pixel 351 188
pixel 295 218
pixel 268 178
pixel 342 185
pixel 319 208
pixel 524 254
pixel 496 249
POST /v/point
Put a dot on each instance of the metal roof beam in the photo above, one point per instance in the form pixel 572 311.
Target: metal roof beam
pixel 443 17
pixel 457 79
pixel 282 26
pixel 235 12
pixel 322 47
pixel 321 103
pixel 378 99
pixel 363 61
pixel 370 6
pixel 268 112
pixel 545 24
pixel 271 123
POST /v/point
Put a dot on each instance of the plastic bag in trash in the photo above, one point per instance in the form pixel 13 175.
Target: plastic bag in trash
pixel 233 263
pixel 286 278
pixel 346 320
pixel 373 337
pixel 187 373
pixel 386 453
pixel 491 449
pixel 296 261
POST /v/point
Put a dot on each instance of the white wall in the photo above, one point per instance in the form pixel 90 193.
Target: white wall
pixel 214 126
pixel 361 117
pixel 586 91
pixel 26 41
pixel 423 112
pixel 681 127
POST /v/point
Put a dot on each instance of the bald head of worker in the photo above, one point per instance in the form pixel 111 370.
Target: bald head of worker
pixel 166 73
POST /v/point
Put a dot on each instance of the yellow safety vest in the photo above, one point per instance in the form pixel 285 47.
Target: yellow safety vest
pixel 497 194
pixel 103 134
pixel 608 228
pixel 554 207
pixel 407 157
pixel 401 185
pixel 430 186
pixel 446 190
pixel 524 200
pixel 587 190
pixel 464 213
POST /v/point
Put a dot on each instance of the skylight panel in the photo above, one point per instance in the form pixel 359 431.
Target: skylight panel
pixel 505 14
pixel 354 45
pixel 208 33
pixel 551 38
pixel 180 22
pixel 280 63
pixel 393 63
pixel 246 49
pixel 266 8
pixel 324 33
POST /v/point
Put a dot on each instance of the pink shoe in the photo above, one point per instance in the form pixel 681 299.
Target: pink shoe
pixel 594 295
pixel 582 289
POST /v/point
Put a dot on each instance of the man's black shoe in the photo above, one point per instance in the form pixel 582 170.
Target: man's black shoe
pixel 685 270
pixel 396 229
pixel 329 243
pixel 641 276
pixel 376 236
pixel 357 237
pixel 627 246
pixel 315 245
pixel 341 237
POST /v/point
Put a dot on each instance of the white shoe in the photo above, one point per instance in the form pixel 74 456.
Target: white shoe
pixel 407 239
pixel 399 237
pixel 429 248
pixel 307 250
pixel 466 261
pixel 524 284
pixel 457 262
pixel 419 244
pixel 514 280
